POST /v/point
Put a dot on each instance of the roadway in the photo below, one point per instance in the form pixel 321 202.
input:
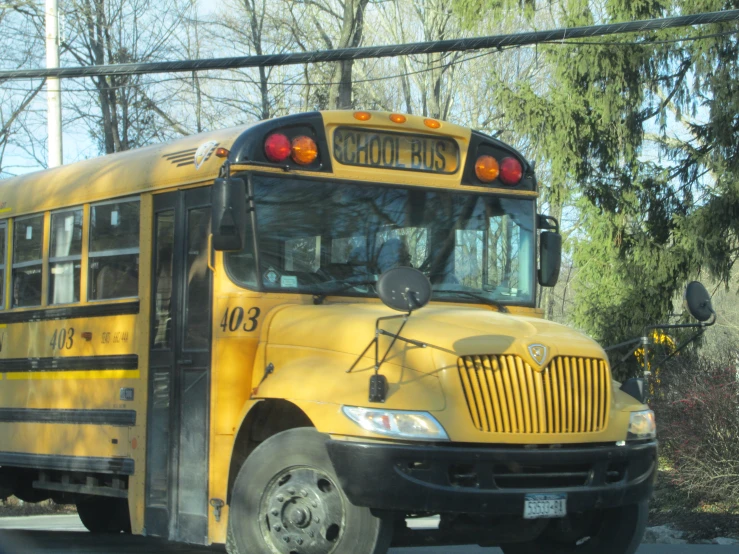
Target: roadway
pixel 66 535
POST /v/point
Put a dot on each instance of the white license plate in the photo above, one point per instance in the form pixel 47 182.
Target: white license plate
pixel 544 505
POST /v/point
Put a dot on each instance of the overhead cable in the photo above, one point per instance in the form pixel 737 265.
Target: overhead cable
pixel 364 52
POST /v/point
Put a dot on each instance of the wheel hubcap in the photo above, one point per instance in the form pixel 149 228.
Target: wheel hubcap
pixel 302 512
pixel 300 517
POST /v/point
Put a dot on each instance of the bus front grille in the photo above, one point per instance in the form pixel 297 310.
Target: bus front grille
pixel 506 395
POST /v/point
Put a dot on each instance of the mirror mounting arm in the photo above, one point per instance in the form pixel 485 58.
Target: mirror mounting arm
pixel 403 289
pixel 547 223
pixel 378 382
pixel 701 326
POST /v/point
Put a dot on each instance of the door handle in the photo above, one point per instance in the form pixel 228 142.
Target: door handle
pixel 185 361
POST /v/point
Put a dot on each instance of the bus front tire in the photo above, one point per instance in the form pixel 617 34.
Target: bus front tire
pixel 613 531
pixel 286 498
pixel 102 514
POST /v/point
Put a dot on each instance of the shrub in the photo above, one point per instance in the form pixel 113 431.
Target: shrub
pixel 697 406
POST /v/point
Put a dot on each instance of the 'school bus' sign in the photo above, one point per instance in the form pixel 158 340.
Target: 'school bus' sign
pixel 395 150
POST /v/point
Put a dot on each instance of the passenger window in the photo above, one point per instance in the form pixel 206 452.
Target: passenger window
pixel 114 250
pixel 2 264
pixel 27 260
pixel 65 257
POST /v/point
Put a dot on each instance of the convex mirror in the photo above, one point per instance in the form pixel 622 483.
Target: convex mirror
pixel 698 301
pixel 229 214
pixel 550 258
pixel 404 289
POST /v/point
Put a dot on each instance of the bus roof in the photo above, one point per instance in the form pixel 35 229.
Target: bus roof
pixel 191 160
pixel 184 161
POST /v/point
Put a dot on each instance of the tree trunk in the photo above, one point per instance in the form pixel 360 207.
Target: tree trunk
pixel 340 93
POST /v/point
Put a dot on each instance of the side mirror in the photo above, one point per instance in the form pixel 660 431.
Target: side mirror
pixel 550 258
pixel 229 214
pixel 698 301
pixel 404 289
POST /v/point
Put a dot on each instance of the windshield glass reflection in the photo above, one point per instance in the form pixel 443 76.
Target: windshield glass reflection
pixel 322 237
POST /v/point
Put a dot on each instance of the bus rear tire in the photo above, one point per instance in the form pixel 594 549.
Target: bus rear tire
pixel 286 498
pixel 102 514
pixel 614 531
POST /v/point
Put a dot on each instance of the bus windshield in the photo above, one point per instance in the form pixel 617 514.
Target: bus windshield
pixel 323 237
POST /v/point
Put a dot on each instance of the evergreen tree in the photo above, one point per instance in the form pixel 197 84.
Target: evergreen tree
pixel 640 134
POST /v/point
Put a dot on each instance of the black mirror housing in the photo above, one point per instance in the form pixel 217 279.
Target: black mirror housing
pixel 404 289
pixel 698 302
pixel 550 258
pixel 634 387
pixel 229 214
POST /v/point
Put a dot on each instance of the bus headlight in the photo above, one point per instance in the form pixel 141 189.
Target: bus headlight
pixel 642 426
pixel 397 424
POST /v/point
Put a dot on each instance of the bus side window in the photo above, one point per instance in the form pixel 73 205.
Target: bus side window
pixel 3 242
pixel 114 250
pixel 27 260
pixel 65 257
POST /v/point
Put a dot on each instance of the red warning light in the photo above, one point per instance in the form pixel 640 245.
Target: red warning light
pixel 277 147
pixel 511 171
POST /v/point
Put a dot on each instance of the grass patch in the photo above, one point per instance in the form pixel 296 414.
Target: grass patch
pixel 14 507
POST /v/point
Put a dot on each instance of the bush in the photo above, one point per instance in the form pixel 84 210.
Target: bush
pixel 696 401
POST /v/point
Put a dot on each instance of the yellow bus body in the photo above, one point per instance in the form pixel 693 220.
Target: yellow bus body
pixel 310 347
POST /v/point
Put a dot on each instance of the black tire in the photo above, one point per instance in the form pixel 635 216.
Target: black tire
pixel 102 514
pixel 614 531
pixel 287 488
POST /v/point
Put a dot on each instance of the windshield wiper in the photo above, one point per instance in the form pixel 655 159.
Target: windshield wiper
pixel 340 286
pixel 480 297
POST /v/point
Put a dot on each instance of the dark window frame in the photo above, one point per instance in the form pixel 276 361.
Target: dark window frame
pixel 3 264
pixel 28 263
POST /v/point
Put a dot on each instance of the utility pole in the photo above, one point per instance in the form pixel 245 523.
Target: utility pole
pixel 53 85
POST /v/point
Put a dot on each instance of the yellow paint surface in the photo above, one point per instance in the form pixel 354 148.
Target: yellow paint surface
pixel 311 347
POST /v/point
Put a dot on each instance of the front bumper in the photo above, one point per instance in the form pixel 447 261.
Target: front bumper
pixel 495 480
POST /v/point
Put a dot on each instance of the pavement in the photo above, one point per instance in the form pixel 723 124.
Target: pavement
pixel 66 535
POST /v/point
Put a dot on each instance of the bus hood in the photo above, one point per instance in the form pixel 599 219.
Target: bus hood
pixel 449 331
pixel 321 358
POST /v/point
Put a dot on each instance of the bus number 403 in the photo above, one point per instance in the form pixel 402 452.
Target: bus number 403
pixel 237 320
pixel 62 339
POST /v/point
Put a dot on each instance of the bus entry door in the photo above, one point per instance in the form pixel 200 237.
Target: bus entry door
pixel 179 368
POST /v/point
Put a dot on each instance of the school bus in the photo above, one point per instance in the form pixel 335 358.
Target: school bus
pixel 298 335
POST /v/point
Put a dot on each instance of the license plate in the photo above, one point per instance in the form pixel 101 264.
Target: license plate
pixel 538 506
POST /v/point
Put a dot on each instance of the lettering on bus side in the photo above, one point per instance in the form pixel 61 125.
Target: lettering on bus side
pixel 116 337
pixel 62 339
pixel 237 319
pixel 395 151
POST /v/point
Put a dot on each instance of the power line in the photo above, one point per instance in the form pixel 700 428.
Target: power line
pixel 344 54
pixel 295 80
pixel 643 42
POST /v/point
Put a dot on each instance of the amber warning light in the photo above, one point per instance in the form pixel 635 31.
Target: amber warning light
pixel 487 169
pixel 302 150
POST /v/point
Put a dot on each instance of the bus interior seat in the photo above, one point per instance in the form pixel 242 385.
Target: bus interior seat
pixel 116 282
